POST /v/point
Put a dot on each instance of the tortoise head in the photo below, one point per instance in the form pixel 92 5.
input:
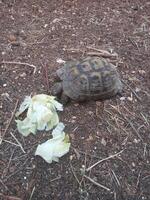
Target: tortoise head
pixel 57 89
pixel 61 73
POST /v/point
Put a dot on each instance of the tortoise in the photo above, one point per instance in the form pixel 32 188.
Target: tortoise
pixel 90 78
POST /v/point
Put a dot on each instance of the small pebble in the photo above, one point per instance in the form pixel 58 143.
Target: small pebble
pixel 23 74
pixel 142 72
pixel 122 98
pixel 136 141
pixel 45 25
pixel 103 142
pixel 137 89
pixel 90 113
pixel 60 61
pixel 133 164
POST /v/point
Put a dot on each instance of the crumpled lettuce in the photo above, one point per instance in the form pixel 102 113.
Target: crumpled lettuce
pixel 26 126
pixel 54 148
pixel 25 104
pixel 41 114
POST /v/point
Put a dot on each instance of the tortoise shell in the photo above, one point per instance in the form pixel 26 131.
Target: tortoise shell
pixel 91 78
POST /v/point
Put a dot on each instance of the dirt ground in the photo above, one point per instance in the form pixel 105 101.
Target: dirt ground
pixel 40 33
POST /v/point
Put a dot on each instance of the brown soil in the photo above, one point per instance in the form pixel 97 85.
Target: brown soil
pixel 40 32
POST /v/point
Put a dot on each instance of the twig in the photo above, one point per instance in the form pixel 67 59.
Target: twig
pixel 95 52
pixel 6 169
pixel 141 126
pixel 82 152
pixel 100 161
pixel 18 170
pixel 20 63
pixel 148 176
pixel 115 177
pixel 9 197
pixel 132 90
pixel 18 142
pixel 45 75
pixel 55 179
pixel 32 193
pixel 146 18
pixel 95 183
pixel 6 188
pixel 146 120
pixel 138 179
pixel 101 52
pixel 11 118
pixel 134 43
pixel 74 174
pixel 115 196
pixel 74 50
pixel 145 146
pixel 7 141
pixel 19 157
pixel 133 114
pixel 134 129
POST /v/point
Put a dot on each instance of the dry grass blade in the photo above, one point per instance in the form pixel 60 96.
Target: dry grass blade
pixel 73 50
pixel 133 128
pixel 134 43
pixel 145 151
pixel 116 178
pixel 18 142
pixel 32 193
pixel 7 197
pixel 129 122
pixel 138 179
pixel 76 51
pixel 7 141
pixel 45 77
pixel 10 159
pixel 74 174
pixel 100 161
pixel 55 179
pixel 145 119
pixel 95 183
pixel 11 118
pixel 132 90
pixel 6 188
pixel 15 172
pixel 20 63
pixel 91 53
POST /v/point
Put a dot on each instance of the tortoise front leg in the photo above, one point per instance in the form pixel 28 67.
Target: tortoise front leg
pixel 64 98
pixel 56 89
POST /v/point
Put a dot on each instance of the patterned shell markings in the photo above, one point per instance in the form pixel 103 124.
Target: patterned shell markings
pixel 90 78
